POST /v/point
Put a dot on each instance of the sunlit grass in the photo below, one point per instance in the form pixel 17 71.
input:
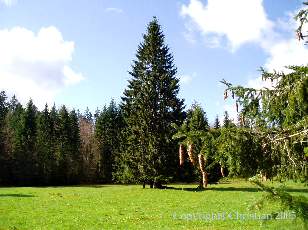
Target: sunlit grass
pixel 131 207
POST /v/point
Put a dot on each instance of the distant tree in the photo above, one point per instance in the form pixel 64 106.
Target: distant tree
pixel 55 145
pixel 45 154
pixel 3 154
pixel 150 105
pixel 13 141
pixel 107 132
pixel 89 150
pixel 216 123
pixel 88 115
pixel 65 160
pixel 74 143
pixel 226 121
pixel 25 133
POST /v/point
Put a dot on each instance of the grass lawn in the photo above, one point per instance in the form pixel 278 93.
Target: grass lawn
pixel 131 207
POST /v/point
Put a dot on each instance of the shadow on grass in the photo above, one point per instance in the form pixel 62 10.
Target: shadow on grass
pixel 297 190
pixel 15 195
pixel 216 189
pixel 70 186
pixel 235 189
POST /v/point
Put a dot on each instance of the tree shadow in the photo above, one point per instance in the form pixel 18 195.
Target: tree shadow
pixel 16 195
pixel 234 189
pixel 72 186
pixel 297 190
pixel 217 189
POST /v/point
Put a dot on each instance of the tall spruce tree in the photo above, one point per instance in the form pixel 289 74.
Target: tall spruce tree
pixel 150 105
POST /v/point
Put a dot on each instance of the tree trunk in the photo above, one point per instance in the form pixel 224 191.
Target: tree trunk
pixel 204 179
pixel 158 185
pixel 143 185
pixel 222 171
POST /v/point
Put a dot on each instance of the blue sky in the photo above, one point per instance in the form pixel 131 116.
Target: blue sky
pixel 78 52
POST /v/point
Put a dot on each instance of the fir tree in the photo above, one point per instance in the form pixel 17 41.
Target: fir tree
pixel 216 123
pixel 150 105
pixel 3 153
pixel 226 122
pixel 25 145
pixel 64 146
pixel 74 143
pixel 107 132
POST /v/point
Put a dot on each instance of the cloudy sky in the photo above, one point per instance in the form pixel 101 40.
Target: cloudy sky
pixel 78 52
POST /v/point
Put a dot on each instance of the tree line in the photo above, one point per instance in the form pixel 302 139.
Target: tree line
pixel 55 146
pixel 150 138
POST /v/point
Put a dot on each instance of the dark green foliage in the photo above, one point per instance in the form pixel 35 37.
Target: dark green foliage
pixel 12 144
pixel 216 123
pixel 108 127
pixel 195 131
pixel 57 146
pixel 28 158
pixel 278 121
pixel 197 120
pixel 4 158
pixel 45 151
pixel 69 147
pixel 150 105
pixel 238 151
pixel 227 122
pixel 75 147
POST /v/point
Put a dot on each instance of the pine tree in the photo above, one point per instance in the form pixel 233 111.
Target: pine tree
pixel 107 132
pixel 3 154
pixel 74 142
pixel 150 105
pixel 24 133
pixel 45 147
pixel 197 119
pixel 216 123
pixel 13 141
pixel 55 141
pixel 65 160
pixel 29 142
pixel 227 123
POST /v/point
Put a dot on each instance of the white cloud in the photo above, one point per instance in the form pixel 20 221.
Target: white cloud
pixel 8 2
pixel 284 53
pixel 231 109
pixel 258 83
pixel 35 65
pixel 114 10
pixel 189 34
pixel 239 21
pixel 284 49
pixel 185 79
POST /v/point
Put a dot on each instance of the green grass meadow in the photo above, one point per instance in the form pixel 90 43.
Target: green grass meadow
pixel 131 207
